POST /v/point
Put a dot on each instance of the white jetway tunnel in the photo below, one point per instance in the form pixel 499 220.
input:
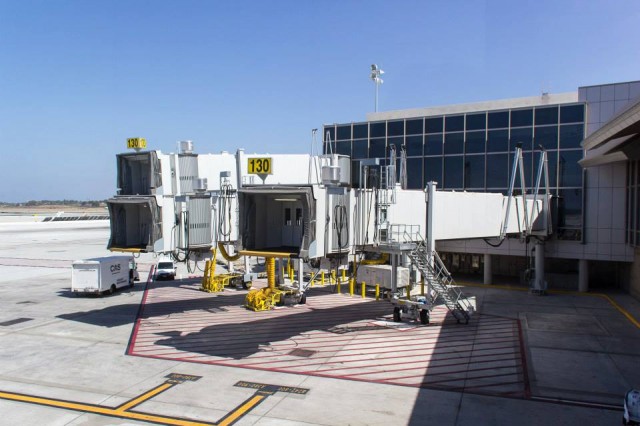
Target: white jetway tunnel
pixel 139 173
pixel 277 219
pixel 136 224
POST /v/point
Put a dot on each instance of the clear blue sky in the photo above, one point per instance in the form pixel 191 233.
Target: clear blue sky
pixel 79 77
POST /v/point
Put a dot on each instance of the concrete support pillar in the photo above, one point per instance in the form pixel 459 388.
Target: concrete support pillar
pixel 394 273
pixel 488 272
pixel 247 268
pixel 539 283
pixel 583 275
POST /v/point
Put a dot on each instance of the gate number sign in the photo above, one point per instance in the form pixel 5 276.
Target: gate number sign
pixel 259 166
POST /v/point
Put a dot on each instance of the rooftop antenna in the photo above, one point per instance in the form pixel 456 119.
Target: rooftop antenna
pixel 376 72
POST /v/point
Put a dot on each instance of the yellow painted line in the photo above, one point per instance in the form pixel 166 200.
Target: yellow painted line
pixel 242 410
pixel 145 396
pixel 613 303
pixel 95 409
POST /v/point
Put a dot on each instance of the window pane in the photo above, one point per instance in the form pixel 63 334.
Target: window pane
pixel 433 170
pixel 414 173
pixel 415 127
pixel 547 137
pixel 395 128
pixel 498 120
pixel 360 131
pixel 474 172
pixel 476 121
pixel 433 144
pixel 344 132
pixel 521 117
pixel 572 114
pixel 377 148
pixel 547 115
pixel 377 130
pixel 433 125
pixel 360 149
pixel 571 136
pixel 570 170
pixel 570 208
pixel 453 172
pixel 498 171
pixel 331 136
pixel 528 170
pixel 454 143
pixel 498 141
pixel 414 146
pixel 475 142
pixel 454 123
pixel 343 147
pixel 523 136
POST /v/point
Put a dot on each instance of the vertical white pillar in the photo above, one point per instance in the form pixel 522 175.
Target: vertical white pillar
pixel 300 274
pixel 488 272
pixel 583 275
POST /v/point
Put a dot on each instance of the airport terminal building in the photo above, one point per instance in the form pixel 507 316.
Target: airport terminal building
pixel 592 141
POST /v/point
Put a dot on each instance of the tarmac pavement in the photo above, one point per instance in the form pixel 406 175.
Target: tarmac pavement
pixel 64 361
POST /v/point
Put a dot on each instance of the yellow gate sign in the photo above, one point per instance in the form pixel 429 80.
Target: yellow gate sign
pixel 259 166
pixel 136 143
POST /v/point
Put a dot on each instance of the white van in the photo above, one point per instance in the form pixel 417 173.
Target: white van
pixel 101 275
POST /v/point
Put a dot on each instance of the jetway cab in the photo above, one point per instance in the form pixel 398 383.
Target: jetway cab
pixel 277 219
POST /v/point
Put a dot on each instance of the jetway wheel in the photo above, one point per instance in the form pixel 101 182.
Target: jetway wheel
pixel 303 299
pixel 397 317
pixel 424 316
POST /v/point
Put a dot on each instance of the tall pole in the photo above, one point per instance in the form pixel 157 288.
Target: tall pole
pixel 375 77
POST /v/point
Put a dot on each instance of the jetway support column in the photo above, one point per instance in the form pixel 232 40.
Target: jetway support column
pixel 539 284
pixel 488 269
pixel 583 275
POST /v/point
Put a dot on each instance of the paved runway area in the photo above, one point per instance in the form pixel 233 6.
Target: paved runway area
pixel 167 353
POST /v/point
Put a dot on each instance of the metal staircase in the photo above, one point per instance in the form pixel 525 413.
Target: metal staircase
pixel 436 274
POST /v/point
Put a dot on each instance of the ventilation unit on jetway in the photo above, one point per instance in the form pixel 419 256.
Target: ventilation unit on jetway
pixel 139 173
pixel 136 223
pixel 195 231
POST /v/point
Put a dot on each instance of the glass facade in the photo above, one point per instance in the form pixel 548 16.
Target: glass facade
pixel 474 151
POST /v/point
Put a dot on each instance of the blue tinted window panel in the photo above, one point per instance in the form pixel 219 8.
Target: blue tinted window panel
pixel 571 135
pixel 395 128
pixel 377 148
pixel 414 173
pixel 498 171
pixel 377 130
pixel 454 172
pixel 360 131
pixel 433 144
pixel 546 115
pixel 477 121
pixel 360 149
pixel 344 132
pixel 433 170
pixel 433 124
pixel 570 170
pixel 329 133
pixel 521 117
pixel 498 140
pixel 414 146
pixel 547 137
pixel 474 171
pixel 570 208
pixel 454 143
pixel 475 143
pixel 498 120
pixel 523 136
pixel 355 173
pixel 572 114
pixel 454 123
pixel 415 127
pixel 343 148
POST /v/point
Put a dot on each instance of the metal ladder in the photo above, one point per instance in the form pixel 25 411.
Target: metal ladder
pixel 436 274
